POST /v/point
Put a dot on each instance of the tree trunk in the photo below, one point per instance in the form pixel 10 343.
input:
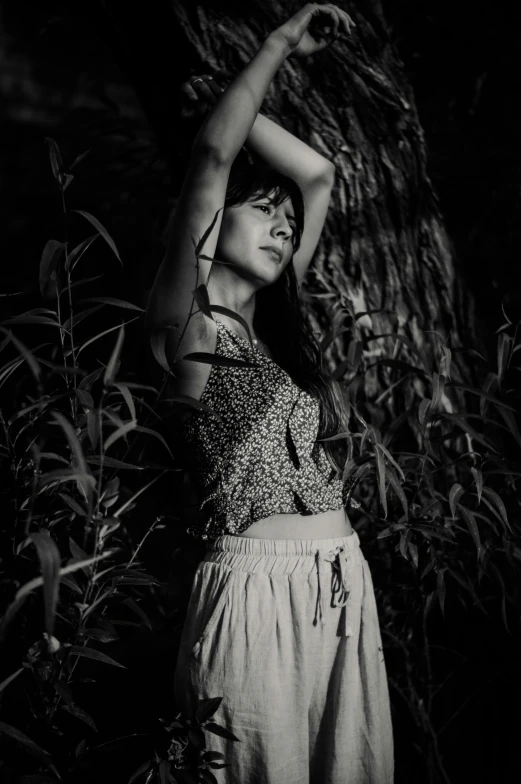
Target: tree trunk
pixel 384 249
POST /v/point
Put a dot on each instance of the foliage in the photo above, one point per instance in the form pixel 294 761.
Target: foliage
pixel 73 430
pixel 439 516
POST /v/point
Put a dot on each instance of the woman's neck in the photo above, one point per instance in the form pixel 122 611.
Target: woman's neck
pixel 234 294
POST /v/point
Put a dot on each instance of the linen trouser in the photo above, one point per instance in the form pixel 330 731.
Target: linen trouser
pixel 287 632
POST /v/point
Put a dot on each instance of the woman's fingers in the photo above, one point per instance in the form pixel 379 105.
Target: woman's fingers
pixel 335 13
pixel 188 93
pixel 348 22
pixel 212 84
pixel 201 88
pixel 343 20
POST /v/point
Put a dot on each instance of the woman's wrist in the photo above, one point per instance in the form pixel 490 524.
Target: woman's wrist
pixel 279 43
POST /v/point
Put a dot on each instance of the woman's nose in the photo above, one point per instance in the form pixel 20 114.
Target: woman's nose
pixel 283 227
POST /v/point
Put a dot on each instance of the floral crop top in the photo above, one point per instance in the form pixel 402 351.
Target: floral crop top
pixel 261 457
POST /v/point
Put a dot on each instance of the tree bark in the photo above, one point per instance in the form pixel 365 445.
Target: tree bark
pixel 384 248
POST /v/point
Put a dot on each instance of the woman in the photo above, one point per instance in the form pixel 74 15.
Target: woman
pixel 282 621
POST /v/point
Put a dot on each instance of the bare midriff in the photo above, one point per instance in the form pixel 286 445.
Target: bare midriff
pixel 326 525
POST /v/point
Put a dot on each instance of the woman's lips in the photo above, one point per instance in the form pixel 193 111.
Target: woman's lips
pixel 275 254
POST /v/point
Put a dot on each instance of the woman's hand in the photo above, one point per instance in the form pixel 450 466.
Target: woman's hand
pixel 201 92
pixel 304 32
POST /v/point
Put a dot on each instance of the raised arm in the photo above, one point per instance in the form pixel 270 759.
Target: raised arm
pixel 283 151
pixel 219 140
pixel 202 199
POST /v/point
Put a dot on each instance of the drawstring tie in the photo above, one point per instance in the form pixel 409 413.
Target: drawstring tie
pixel 339 583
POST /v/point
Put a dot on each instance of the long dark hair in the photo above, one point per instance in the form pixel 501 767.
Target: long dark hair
pixel 279 318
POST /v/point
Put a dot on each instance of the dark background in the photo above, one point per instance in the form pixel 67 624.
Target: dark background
pixel 463 61
pixel 59 79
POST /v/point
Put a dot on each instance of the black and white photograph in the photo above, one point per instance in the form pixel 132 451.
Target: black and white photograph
pixel 260 393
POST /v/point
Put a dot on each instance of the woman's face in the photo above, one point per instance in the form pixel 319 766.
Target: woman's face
pixel 247 229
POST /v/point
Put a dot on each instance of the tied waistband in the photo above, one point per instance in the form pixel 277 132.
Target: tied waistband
pixel 340 558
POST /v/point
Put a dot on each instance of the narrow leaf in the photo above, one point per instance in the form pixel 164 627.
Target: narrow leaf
pixel 51 255
pixel 392 460
pixel 102 230
pixel 111 370
pixel 119 303
pixel 354 355
pixel 79 158
pixel 55 158
pixel 456 491
pixel 79 713
pixel 76 253
pixel 119 433
pixel 509 419
pixel 92 653
pixel 42 320
pixel 77 318
pixel 129 400
pixel 207 708
pixel 445 363
pixel 150 432
pixel 460 421
pixel 482 393
pixel 200 245
pixel 85 398
pixel 11 677
pixel 216 729
pixel 49 558
pixel 70 582
pixel 398 490
pixel 422 410
pixel 232 314
pixel 504 343
pixel 25 352
pixel 395 363
pixel 164 770
pixel 101 334
pixel 498 501
pixel 437 390
pixel 34 749
pixel 112 462
pixel 441 588
pixel 93 428
pixel 380 476
pixel 203 300
pixel 413 549
pixel 157 340
pixel 83 486
pixel 217 359
pixel 192 402
pixel 143 768
pixel 478 478
pixel 473 528
pixel 80 555
pixel 135 495
pixel 37 581
pixel 132 605
pixel 403 339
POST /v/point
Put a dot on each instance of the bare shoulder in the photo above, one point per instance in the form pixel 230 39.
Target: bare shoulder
pixel 200 335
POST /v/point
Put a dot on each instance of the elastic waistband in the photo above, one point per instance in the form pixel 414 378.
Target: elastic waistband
pixel 289 556
pixel 245 545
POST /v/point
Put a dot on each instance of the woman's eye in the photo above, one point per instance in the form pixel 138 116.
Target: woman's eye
pixel 265 207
